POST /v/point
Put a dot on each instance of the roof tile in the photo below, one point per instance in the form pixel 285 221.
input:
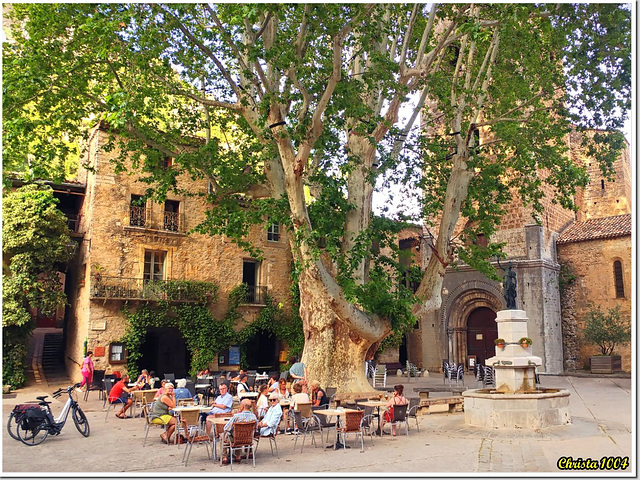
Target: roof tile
pixel 596 228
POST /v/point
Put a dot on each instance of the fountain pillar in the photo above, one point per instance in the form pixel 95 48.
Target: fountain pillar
pixel 514 365
pixel 515 402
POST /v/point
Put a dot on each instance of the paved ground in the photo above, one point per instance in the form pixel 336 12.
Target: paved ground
pixel 601 410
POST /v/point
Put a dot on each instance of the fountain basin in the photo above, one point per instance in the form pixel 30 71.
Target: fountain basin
pixel 540 408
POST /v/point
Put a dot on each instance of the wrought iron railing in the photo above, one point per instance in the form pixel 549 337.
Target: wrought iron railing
pixel 122 288
pixel 171 221
pixel 140 216
pixel 256 295
pixel 137 216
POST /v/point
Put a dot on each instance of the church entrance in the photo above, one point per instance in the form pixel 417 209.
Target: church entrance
pixel 164 351
pixel 482 330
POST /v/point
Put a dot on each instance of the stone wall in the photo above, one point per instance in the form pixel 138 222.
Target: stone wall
pixel 602 197
pixel 119 249
pixel 592 264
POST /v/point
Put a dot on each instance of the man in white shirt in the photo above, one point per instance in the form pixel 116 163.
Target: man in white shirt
pixel 222 404
pixel 271 420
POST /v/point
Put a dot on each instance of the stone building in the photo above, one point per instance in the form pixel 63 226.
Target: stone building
pixel 463 328
pixel 128 247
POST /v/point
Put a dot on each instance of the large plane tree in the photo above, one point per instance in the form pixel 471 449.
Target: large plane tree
pixel 314 106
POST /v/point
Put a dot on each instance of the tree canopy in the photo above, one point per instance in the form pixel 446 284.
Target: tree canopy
pixel 312 94
pixel 34 247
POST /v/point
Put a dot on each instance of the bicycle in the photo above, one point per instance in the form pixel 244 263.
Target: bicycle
pixel 35 422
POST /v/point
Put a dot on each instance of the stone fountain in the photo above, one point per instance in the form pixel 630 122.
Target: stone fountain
pixel 515 402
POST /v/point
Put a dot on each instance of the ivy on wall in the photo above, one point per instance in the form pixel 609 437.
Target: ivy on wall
pixel 204 335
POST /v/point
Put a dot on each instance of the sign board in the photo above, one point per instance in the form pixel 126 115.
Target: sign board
pixel 234 355
pixel 472 361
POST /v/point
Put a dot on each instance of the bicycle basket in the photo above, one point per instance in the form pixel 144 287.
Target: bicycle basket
pixel 33 418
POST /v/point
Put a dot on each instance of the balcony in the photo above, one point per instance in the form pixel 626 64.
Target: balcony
pixel 166 221
pixel 138 216
pixel 122 288
pixel 255 295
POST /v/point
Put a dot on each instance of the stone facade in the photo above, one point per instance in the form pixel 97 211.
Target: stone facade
pixel 531 244
pixel 591 263
pixel 114 246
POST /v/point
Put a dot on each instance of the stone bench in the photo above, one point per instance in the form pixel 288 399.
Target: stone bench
pixel 455 403
pixel 423 393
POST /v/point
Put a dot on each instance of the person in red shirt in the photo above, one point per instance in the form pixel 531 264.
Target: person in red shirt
pixel 120 394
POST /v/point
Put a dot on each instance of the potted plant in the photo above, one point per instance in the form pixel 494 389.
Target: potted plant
pixel 525 342
pixel 606 330
pixel 499 342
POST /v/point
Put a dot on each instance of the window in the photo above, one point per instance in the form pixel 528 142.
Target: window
pixel 117 353
pixel 481 240
pixel 154 265
pixel 617 278
pixel 171 215
pixel 602 184
pixel 167 162
pixel 273 232
pixel 137 211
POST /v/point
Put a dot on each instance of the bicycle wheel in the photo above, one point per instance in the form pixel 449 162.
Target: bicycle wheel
pixel 80 421
pixel 34 436
pixel 12 425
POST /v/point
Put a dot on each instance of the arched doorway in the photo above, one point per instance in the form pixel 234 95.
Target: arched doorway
pixel 482 330
pixel 262 351
pixel 463 301
pixel 164 351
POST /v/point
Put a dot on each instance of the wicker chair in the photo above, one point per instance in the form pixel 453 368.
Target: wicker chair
pixel 241 439
pixel 195 433
pixel 352 426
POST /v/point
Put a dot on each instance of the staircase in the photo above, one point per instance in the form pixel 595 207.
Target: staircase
pixel 52 359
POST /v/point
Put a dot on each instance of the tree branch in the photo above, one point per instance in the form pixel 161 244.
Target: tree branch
pixel 206 50
pixel 316 122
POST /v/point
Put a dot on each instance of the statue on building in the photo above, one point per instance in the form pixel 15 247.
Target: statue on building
pixel 509 283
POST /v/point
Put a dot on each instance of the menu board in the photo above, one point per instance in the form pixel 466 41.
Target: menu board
pixel 234 355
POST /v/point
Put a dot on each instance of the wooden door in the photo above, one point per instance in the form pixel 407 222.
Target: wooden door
pixel 482 330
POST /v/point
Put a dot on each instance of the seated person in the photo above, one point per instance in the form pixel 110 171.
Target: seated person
pixel 181 392
pixel 161 408
pixel 318 395
pixel 204 373
pixel 299 396
pixel 237 377
pixel 144 380
pixel 262 403
pixel 160 390
pixel 269 423
pixel 120 394
pixel 282 390
pixel 244 415
pixel 242 386
pixel 222 404
pixel 397 399
pixel 273 383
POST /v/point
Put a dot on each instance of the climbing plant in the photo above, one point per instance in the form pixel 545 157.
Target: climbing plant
pixel 204 335
pixel 35 240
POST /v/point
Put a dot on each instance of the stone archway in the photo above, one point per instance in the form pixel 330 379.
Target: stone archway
pixel 461 307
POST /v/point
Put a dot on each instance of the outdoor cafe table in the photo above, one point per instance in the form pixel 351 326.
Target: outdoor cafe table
pixel 338 412
pixel 377 404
